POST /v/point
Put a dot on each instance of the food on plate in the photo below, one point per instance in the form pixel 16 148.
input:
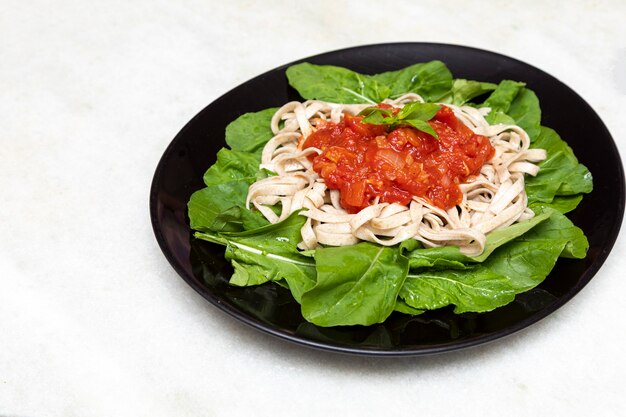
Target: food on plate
pixel 403 191
pixel 357 181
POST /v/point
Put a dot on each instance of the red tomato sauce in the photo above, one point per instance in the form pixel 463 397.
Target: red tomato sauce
pixel 364 161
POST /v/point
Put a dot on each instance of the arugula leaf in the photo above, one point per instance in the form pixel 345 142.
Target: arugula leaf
pixel 250 131
pixel 560 174
pixel 431 80
pixel 335 84
pixel 527 260
pixel 450 257
pixel 464 90
pixel 444 257
pixel 476 289
pixel 364 293
pixel 232 166
pixel 515 267
pixel 525 110
pixel 562 204
pixel 413 114
pixel 210 213
pixel 500 118
pixel 512 103
pixel 221 205
pixel 500 100
pixel 267 254
pixel 402 307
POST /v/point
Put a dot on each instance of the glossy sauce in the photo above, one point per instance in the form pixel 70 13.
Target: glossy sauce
pixel 364 161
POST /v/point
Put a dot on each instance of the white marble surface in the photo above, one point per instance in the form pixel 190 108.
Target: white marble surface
pixel 94 321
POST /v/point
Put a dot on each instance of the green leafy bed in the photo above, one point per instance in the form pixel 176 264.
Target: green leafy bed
pixel 364 283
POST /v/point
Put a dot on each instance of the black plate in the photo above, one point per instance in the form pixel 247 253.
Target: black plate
pixel 270 308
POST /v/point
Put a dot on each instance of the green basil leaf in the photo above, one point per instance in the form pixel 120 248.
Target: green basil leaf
pixel 421 125
pixel 418 111
pixel 413 114
pixel 376 116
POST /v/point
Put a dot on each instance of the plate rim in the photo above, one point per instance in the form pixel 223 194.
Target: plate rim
pixel 396 351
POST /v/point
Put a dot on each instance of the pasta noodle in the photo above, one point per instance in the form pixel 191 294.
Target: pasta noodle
pixel 493 199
